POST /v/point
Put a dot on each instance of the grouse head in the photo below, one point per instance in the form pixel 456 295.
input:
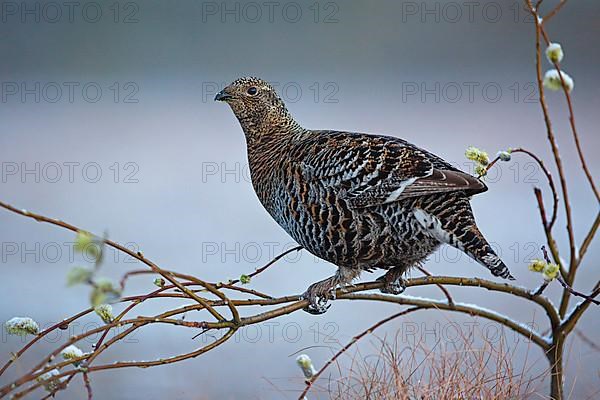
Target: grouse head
pixel 257 107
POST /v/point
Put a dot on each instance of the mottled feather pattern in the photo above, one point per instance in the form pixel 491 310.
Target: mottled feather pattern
pixel 359 201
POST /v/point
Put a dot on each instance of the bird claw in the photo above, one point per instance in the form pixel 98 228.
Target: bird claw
pixel 317 306
pixel 318 299
pixel 392 285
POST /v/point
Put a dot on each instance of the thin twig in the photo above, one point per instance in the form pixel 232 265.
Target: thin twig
pixel 585 339
pixel 137 255
pixel 589 237
pixel 571 320
pixel 548 178
pixel 554 11
pixel 442 288
pixel 557 159
pixel 88 385
pixel 576 293
pixel 549 237
pixel 295 305
pixel 263 268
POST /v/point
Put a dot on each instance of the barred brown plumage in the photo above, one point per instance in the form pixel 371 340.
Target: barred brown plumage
pixel 356 200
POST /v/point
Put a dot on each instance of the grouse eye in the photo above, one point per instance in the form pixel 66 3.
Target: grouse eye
pixel 252 90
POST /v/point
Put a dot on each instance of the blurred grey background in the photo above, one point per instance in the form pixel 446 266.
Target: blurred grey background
pixel 107 121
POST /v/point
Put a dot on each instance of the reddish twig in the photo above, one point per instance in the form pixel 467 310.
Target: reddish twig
pixel 261 269
pixel 88 385
pixel 554 11
pixel 442 287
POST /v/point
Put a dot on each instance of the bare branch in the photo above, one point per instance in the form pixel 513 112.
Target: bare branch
pixel 442 288
pixel 557 159
pixel 139 256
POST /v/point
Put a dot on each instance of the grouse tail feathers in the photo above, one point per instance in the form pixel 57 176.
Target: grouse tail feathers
pixel 452 222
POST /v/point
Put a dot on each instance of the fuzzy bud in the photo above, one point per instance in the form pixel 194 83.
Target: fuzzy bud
pixel 537 265
pixel 504 155
pixel 71 352
pixel 104 292
pixel 105 312
pixel 49 380
pixel 480 170
pixel 552 80
pixel 554 53
pixel 87 244
pixel 551 271
pixel 477 155
pixel 78 275
pixel 21 326
pixel 306 365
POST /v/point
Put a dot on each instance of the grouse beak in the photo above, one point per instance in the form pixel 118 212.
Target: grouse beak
pixel 223 96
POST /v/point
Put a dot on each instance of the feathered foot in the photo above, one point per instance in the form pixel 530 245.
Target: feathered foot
pixel 393 283
pixel 318 294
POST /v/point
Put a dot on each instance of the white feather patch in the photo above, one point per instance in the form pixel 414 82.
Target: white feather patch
pixel 491 260
pixel 396 193
pixel 433 225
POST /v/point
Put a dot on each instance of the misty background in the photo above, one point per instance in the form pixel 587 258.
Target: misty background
pixel 107 122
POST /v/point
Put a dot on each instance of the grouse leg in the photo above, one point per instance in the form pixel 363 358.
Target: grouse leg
pixel 318 294
pixel 393 283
